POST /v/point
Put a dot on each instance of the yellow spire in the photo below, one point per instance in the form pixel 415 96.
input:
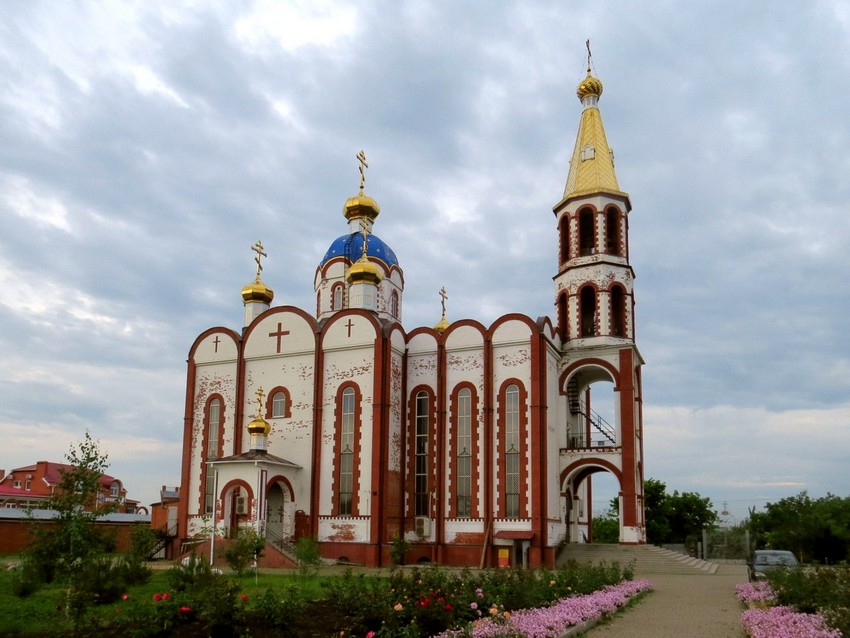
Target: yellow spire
pixel 443 323
pixel 592 163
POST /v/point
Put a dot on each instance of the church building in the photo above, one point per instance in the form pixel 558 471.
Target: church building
pixel 474 443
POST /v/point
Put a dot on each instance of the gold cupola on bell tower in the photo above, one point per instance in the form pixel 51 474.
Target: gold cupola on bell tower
pixel 256 296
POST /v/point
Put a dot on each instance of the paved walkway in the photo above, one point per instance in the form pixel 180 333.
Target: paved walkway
pixel 682 606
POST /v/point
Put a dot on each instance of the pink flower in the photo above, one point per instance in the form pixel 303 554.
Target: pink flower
pixel 371 634
pixel 185 610
pixel 165 596
pixel 124 596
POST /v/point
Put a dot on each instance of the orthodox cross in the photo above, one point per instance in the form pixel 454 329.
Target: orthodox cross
pixel 443 296
pixel 258 248
pixel 280 332
pixel 260 396
pixel 364 227
pixel 589 56
pixel 361 156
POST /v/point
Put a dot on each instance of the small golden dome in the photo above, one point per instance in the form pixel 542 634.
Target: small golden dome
pixel 589 86
pixel 257 291
pixel 442 325
pixel 259 426
pixel 361 206
pixel 364 271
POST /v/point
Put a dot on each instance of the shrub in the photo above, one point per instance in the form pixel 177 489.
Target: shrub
pixel 308 556
pixel 247 548
pixel 279 609
pixel 189 573
pixel 398 548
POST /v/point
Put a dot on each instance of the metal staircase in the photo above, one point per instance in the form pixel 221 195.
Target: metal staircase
pixel 596 421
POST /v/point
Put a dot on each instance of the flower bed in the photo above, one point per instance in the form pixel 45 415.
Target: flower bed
pixel 552 621
pixel 762 620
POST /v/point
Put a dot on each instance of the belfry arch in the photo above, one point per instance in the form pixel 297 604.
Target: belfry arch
pixel 602 434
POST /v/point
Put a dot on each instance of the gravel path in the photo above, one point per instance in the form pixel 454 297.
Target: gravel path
pixel 683 606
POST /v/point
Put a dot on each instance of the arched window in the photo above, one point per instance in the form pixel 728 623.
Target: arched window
pixel 213 448
pixel 512 456
pixel 213 428
pixel 336 296
pixel 618 312
pixel 421 451
pixel 394 305
pixel 586 232
pixel 564 234
pixel 346 460
pixel 562 316
pixel 588 311
pixel 278 403
pixel 612 231
pixel 463 446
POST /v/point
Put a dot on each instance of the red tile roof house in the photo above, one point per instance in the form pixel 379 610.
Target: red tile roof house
pixel 25 492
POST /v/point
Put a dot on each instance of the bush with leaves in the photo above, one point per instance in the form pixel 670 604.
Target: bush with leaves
pixel 308 556
pixel 242 552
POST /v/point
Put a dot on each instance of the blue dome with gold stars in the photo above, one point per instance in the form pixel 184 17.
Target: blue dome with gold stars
pixel 351 247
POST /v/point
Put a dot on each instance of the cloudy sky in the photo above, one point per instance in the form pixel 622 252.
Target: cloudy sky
pixel 145 146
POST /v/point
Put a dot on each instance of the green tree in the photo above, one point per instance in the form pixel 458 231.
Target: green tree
pixel 814 529
pixel 672 518
pixel 606 528
pixel 72 539
pixel 689 514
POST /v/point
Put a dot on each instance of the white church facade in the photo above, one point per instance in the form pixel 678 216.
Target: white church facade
pixel 474 443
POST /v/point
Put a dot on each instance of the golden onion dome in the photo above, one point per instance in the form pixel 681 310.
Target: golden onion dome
pixel 442 325
pixel 257 291
pixel 259 426
pixel 361 206
pixel 364 271
pixel 589 86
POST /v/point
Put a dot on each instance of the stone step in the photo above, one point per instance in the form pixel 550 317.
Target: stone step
pixel 647 559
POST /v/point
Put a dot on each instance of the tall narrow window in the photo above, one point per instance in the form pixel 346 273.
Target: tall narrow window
pixel 564 228
pixel 586 232
pixel 213 427
pixel 346 462
pixel 336 299
pixel 209 493
pixel 394 305
pixel 463 490
pixel 588 312
pixel 618 314
pixel 612 232
pixel 420 462
pixel 512 451
pixel 562 316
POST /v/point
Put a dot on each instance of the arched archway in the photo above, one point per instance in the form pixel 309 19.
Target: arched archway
pixel 579 502
pixel 280 510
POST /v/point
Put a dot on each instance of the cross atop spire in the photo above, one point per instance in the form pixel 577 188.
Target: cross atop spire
pixel 258 248
pixel 361 156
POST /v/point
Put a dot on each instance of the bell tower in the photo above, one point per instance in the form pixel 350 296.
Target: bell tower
pixel 600 377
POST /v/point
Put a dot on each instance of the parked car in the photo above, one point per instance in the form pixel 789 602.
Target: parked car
pixel 765 560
